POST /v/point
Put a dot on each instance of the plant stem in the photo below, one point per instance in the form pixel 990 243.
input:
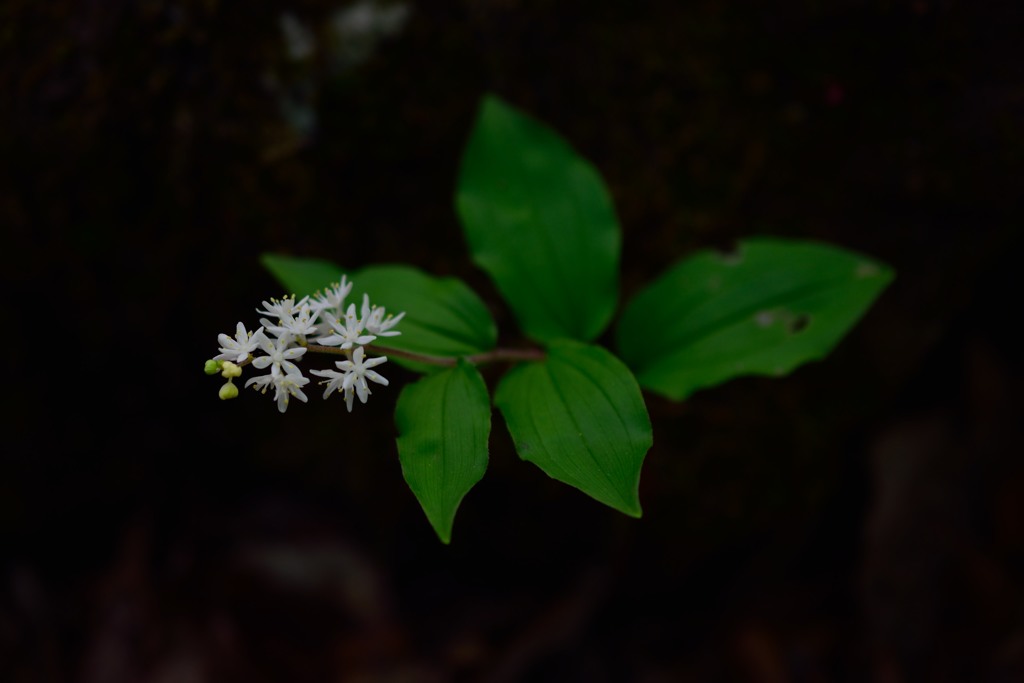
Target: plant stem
pixel 495 356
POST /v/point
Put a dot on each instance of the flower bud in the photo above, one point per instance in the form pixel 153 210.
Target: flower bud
pixel 231 370
pixel 212 367
pixel 228 391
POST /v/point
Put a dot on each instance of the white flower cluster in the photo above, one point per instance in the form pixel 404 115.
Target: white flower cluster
pixel 294 327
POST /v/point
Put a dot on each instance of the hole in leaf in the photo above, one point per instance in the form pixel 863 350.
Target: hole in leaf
pixel 798 323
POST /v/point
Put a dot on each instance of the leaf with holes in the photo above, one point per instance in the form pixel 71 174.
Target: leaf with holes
pixel 764 310
pixel 540 222
pixel 443 316
pixel 579 416
pixel 443 421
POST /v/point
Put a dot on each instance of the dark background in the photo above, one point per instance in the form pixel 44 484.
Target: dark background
pixel 860 520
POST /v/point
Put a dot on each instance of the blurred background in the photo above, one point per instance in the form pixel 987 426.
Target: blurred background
pixel 859 520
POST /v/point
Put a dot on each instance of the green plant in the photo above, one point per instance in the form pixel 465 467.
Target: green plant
pixel 538 219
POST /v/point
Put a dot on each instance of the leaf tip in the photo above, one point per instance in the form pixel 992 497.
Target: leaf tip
pixel 628 503
pixel 442 527
pixel 491 100
pixel 269 259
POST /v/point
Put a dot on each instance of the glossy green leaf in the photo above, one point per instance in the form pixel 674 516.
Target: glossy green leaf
pixel 580 417
pixel 443 316
pixel 770 307
pixel 444 421
pixel 540 222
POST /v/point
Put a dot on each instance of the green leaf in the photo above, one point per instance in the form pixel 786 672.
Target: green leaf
pixel 444 421
pixel 765 310
pixel 580 417
pixel 301 276
pixel 540 222
pixel 443 317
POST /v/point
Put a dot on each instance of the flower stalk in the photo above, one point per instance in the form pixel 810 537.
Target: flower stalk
pixel 499 355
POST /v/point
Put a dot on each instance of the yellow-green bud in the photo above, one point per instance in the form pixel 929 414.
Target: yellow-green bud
pixel 212 367
pixel 231 370
pixel 228 391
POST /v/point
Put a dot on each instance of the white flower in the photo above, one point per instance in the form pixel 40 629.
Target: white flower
pixel 239 348
pixel 335 380
pixel 301 324
pixel 376 323
pixel 352 379
pixel 283 308
pixel 333 297
pixel 280 354
pixel 285 386
pixel 282 338
pixel 324 324
pixel 262 382
pixel 348 334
